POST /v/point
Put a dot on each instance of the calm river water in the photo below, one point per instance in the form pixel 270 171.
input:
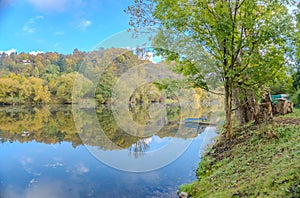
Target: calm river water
pixel 57 152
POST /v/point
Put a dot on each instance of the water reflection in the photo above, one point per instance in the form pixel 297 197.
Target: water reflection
pixel 55 124
pixel 44 124
pixel 43 154
pixel 140 147
pixel 58 170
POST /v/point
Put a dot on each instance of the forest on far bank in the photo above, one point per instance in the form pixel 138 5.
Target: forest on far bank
pixel 49 77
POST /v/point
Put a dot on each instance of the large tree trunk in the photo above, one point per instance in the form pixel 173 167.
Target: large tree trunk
pixel 247 108
pixel 245 105
pixel 228 109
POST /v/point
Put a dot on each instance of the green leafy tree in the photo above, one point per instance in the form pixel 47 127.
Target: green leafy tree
pixel 297 35
pixel 284 86
pixel 245 39
pixel 296 75
pixel 296 80
pixel 105 87
pixel 65 86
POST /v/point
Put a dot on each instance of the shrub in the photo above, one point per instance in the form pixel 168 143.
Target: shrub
pixel 296 98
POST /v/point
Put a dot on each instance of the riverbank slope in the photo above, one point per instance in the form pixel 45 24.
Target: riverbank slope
pixel 260 161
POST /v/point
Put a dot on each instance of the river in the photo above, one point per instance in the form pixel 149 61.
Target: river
pixel 57 151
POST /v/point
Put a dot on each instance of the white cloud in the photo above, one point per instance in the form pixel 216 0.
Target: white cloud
pixel 36 52
pixel 28 27
pixel 84 24
pixel 28 30
pixel 81 169
pixel 26 160
pixel 42 188
pixel 148 56
pixel 9 51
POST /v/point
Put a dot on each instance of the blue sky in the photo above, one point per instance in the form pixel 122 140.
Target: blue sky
pixel 59 25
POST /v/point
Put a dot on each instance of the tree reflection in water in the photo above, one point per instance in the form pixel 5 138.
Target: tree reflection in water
pixel 139 148
pixel 55 124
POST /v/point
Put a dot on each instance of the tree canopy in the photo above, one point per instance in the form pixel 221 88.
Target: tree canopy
pixel 49 77
pixel 246 41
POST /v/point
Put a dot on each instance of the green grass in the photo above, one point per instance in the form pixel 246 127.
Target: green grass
pixel 261 161
pixel 296 114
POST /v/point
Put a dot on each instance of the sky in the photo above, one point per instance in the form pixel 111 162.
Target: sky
pixel 59 25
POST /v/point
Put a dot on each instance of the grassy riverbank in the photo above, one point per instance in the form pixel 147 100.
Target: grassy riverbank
pixel 260 161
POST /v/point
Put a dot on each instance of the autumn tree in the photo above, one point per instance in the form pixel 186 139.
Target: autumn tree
pixel 65 84
pixel 246 41
pixel 16 89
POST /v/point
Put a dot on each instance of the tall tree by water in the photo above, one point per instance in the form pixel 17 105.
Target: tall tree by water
pixel 246 40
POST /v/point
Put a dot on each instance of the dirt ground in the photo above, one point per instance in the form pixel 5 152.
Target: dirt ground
pixel 286 121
